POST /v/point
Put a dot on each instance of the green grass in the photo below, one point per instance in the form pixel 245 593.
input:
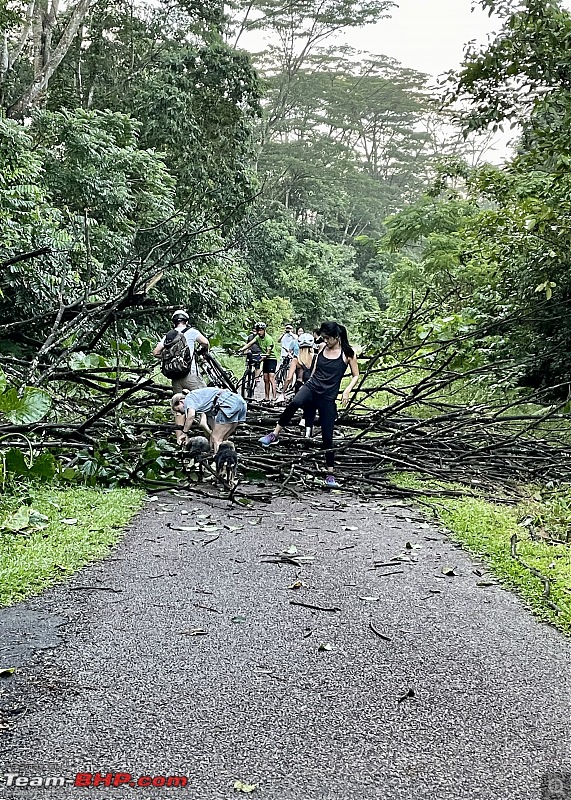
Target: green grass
pixel 485 530
pixel 29 563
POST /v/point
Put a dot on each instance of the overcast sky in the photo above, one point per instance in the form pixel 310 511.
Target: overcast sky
pixel 426 35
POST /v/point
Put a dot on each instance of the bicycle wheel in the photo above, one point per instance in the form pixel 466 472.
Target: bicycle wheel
pixel 246 383
pixel 250 382
pixel 281 374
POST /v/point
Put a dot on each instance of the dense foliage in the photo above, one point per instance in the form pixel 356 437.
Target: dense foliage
pixel 145 156
pixel 493 244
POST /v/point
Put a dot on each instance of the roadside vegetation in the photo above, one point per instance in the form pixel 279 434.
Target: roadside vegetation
pixel 48 532
pixel 525 543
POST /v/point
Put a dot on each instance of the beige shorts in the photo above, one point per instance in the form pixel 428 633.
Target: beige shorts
pixel 191 381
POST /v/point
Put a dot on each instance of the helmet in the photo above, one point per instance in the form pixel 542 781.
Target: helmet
pixel 261 325
pixel 306 340
pixel 180 315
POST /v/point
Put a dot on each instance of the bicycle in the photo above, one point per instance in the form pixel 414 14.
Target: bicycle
pixel 282 373
pixel 217 375
pixel 247 382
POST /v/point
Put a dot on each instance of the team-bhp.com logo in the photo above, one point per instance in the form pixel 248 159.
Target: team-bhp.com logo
pixel 30 779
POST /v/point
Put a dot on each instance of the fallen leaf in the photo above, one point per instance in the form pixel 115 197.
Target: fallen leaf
pixel 25 520
pixel 324 647
pixel 408 693
pixel 7 671
pixel 297 585
pixel 291 550
pixel 449 571
pixel 239 618
pixel 239 786
pixel 69 521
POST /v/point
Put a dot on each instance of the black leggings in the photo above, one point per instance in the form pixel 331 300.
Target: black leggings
pixel 308 399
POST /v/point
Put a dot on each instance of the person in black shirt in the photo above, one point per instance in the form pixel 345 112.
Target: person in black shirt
pixel 254 356
pixel 320 391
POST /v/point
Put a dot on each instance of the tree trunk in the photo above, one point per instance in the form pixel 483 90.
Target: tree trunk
pixel 54 58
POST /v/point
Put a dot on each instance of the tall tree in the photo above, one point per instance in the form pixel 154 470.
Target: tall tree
pixel 197 98
pixel 33 49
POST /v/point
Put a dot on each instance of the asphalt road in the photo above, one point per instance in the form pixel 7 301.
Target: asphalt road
pixel 185 653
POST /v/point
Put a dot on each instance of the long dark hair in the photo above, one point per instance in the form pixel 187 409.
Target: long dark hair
pixel 338 331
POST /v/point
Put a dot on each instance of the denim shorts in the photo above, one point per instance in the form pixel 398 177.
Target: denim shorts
pixel 230 407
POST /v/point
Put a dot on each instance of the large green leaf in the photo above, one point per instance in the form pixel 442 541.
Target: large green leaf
pixel 30 407
pixel 83 361
pixel 44 466
pixel 24 520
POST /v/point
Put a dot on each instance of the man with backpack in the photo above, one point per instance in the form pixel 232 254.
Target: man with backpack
pixel 177 352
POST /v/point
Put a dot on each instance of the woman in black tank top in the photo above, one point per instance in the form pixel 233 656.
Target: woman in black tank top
pixel 320 391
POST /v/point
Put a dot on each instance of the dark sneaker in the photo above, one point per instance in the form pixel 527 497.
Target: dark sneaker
pixel 331 483
pixel 268 439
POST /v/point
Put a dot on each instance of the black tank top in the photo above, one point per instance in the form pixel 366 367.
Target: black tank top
pixel 327 376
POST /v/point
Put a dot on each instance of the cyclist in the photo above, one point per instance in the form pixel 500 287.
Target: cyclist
pixel 269 360
pixel 228 409
pixel 302 364
pixel 254 359
pixel 180 321
pixel 301 367
pixel 288 341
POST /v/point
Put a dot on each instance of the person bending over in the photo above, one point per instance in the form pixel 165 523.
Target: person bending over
pixel 228 409
pixel 320 391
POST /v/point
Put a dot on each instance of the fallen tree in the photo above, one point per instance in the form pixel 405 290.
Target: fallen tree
pixel 418 408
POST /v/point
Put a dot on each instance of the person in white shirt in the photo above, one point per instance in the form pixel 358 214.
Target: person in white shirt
pixel 180 320
pixel 288 342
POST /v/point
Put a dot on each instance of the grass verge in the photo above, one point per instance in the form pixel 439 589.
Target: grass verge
pixel 83 523
pixel 541 522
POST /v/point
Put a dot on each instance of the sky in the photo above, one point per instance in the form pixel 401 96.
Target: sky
pixel 429 36
pixel 426 35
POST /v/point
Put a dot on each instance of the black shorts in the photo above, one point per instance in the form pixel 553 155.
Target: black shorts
pixel 270 366
pixel 253 358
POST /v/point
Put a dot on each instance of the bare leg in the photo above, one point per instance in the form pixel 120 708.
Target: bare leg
pixel 272 382
pixel 203 423
pixel 179 420
pixel 221 432
pixel 267 385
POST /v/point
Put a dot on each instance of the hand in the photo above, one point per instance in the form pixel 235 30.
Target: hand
pixel 345 397
pixel 182 440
